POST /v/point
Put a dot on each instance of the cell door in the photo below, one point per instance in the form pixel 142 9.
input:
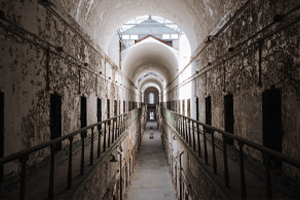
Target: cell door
pixel 119 107
pixel 208 114
pixel 197 108
pixel 55 118
pixel 108 109
pixel 272 126
pixel 99 110
pixel 124 107
pixel 1 134
pixel 229 118
pixel 83 114
pixel 115 108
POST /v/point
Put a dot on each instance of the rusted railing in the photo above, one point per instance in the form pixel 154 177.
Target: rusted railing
pixel 116 125
pixel 182 125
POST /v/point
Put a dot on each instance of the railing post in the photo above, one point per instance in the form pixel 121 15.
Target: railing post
pixel 113 131
pixel 104 137
pixel 226 174
pixel 109 129
pixel 186 132
pixel 199 146
pixel 242 170
pixel 22 160
pixel 268 177
pixel 51 177
pixel 190 136
pixel 119 122
pixel 205 146
pixel 194 142
pixel 82 154
pixel 92 147
pixel 214 151
pixel 116 129
pixel 70 162
pixel 99 141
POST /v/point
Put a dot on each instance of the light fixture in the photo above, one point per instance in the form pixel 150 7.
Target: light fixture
pixel 45 3
pixel 174 137
pixel 113 159
pixel 209 39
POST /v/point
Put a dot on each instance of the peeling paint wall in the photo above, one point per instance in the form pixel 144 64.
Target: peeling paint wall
pixel 265 55
pixel 33 66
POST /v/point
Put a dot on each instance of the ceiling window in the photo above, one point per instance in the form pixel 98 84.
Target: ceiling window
pixel 166 36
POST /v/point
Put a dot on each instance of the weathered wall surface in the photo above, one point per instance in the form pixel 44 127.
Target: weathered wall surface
pixel 32 67
pixel 195 184
pixel 265 55
pixel 105 183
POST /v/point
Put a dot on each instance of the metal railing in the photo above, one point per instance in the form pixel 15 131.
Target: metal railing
pixel 182 125
pixel 116 126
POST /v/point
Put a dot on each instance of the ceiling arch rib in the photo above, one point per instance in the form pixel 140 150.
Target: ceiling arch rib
pixel 102 18
pixel 150 56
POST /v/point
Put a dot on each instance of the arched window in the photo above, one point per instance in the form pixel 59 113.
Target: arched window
pixel 151 98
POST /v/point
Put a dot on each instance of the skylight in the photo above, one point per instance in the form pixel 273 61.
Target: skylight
pixel 138 20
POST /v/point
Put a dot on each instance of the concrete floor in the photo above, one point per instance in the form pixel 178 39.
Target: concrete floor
pixel 151 179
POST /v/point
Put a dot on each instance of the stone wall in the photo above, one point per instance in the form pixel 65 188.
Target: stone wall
pixel 195 184
pixel 251 54
pixel 43 52
pixel 105 182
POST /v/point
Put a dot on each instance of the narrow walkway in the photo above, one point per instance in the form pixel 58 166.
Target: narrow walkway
pixel 152 179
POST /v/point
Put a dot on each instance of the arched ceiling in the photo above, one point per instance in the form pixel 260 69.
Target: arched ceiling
pixel 153 80
pixel 150 56
pixel 197 18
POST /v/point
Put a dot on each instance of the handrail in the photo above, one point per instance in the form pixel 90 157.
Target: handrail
pixel 182 123
pixel 261 148
pixel 122 123
pixel 17 155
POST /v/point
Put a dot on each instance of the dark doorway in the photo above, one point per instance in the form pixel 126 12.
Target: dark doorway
pixel 272 127
pixel 123 106
pixel 119 107
pixel 1 134
pixel 99 110
pixel 229 118
pixel 197 108
pixel 55 118
pixel 108 109
pixel 83 117
pixel 115 108
pixel 208 112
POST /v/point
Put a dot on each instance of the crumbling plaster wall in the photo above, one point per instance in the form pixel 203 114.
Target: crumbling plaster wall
pixel 195 182
pixel 104 184
pixel 238 72
pixel 32 68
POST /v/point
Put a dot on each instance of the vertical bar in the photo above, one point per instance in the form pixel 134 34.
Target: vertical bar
pixel 205 146
pixel 22 177
pixel 92 147
pixel 226 174
pixel 70 162
pixel 119 128
pixel 99 141
pixel 113 131
pixel 199 145
pixel 82 153
pixel 242 170
pixel 109 126
pixel 214 151
pixel 194 142
pixel 186 131
pixel 51 178
pixel 104 137
pixel 190 136
pixel 268 177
